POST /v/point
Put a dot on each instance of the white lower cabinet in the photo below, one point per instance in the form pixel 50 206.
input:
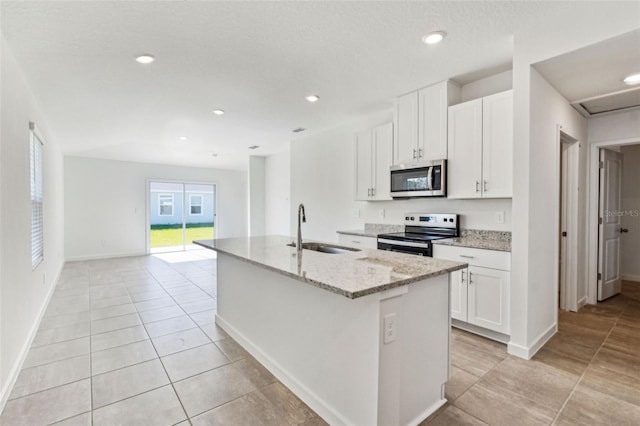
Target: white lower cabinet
pixel 358 241
pixel 480 292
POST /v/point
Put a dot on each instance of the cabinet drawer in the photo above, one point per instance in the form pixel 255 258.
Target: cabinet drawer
pixel 358 241
pixel 475 257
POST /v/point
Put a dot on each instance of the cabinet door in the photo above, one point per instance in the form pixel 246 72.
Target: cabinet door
pixel 432 122
pixel 497 145
pixel 358 241
pixel 464 176
pixel 383 156
pixel 458 285
pixel 363 159
pixel 488 298
pixel 406 122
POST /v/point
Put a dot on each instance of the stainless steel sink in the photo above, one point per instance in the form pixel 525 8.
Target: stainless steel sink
pixel 325 248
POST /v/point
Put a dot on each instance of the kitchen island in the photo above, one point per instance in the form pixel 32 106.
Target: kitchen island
pixel 362 337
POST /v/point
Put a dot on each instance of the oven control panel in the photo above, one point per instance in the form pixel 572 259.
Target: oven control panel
pixel 431 220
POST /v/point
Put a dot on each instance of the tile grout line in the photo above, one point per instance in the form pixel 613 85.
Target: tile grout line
pixel 581 378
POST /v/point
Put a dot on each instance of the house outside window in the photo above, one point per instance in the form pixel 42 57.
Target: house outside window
pixel 195 204
pixel 165 204
pixel 37 214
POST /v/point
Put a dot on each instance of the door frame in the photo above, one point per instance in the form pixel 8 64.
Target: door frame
pixel 592 211
pixel 569 199
pixel 147 218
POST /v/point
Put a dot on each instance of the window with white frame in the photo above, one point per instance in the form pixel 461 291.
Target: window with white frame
pixel 165 204
pixel 37 219
pixel 195 204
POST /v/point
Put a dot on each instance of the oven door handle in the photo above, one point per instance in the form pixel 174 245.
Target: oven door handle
pixel 403 243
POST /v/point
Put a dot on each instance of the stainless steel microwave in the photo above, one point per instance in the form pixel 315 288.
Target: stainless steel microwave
pixel 426 179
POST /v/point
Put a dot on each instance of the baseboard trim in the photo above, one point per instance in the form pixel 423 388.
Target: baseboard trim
pixel 17 367
pixel 527 352
pixel 426 413
pixel 104 256
pixel 630 277
pixel 582 302
pixel 489 334
pixel 324 410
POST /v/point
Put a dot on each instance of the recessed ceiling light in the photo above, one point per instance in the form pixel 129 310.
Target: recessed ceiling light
pixel 145 59
pixel 218 111
pixel 254 147
pixel 312 98
pixel 434 37
pixel 183 138
pixel 632 79
pixel 214 155
pixel 298 130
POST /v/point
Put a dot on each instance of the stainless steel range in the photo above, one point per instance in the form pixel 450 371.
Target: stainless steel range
pixel 419 231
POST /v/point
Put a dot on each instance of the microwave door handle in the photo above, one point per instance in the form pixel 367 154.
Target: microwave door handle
pixel 430 179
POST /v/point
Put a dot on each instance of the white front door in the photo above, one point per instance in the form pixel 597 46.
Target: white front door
pixel 609 282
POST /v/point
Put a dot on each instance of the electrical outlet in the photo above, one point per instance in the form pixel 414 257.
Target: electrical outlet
pixel 500 217
pixel 390 325
pixel 381 213
pixel 103 243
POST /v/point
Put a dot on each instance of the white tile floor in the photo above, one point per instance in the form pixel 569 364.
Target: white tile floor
pixel 132 341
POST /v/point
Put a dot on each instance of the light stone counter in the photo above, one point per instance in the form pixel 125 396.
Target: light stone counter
pixel 474 238
pixel 353 274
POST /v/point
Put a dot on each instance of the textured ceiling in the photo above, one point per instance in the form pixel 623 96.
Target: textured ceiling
pixel 255 60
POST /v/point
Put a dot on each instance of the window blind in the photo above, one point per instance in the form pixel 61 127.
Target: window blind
pixel 37 232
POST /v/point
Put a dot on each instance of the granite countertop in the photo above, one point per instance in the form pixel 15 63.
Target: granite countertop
pixel 474 238
pixel 358 233
pixel 373 229
pixel 352 275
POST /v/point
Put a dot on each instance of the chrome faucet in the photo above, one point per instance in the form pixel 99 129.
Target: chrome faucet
pixel 304 219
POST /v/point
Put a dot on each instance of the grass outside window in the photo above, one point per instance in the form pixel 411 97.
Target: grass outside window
pixel 170 236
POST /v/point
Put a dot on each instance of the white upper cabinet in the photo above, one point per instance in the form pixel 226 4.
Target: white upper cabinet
pixel 480 141
pixel 406 120
pixel 464 165
pixel 497 145
pixel 421 123
pixel 373 155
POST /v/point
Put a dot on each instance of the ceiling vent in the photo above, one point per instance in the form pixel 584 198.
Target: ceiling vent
pixel 612 102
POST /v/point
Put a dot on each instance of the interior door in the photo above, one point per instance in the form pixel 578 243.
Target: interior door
pixel 609 230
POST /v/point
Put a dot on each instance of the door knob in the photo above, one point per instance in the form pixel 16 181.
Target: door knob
pixel 623 230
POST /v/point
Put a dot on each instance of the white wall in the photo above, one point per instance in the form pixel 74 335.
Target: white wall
pixel 620 126
pixel 105 204
pixel 322 178
pixel 256 195
pixel 24 292
pixel 630 244
pixel 487 86
pixel 532 303
pixel 278 193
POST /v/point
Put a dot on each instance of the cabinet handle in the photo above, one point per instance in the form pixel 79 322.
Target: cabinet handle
pixel 485 186
pixel 477 186
pixel 466 256
pixel 414 153
pixel 355 242
pixel 470 280
pixel 373 192
pixel 419 152
pixel 462 279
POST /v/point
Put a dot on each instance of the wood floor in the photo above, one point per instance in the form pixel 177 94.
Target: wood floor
pixel 587 374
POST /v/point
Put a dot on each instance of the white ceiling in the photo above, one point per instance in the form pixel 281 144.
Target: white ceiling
pixel 255 60
pixel 596 70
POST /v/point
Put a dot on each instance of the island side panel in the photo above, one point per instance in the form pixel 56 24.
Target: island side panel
pixel 413 367
pixel 323 346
